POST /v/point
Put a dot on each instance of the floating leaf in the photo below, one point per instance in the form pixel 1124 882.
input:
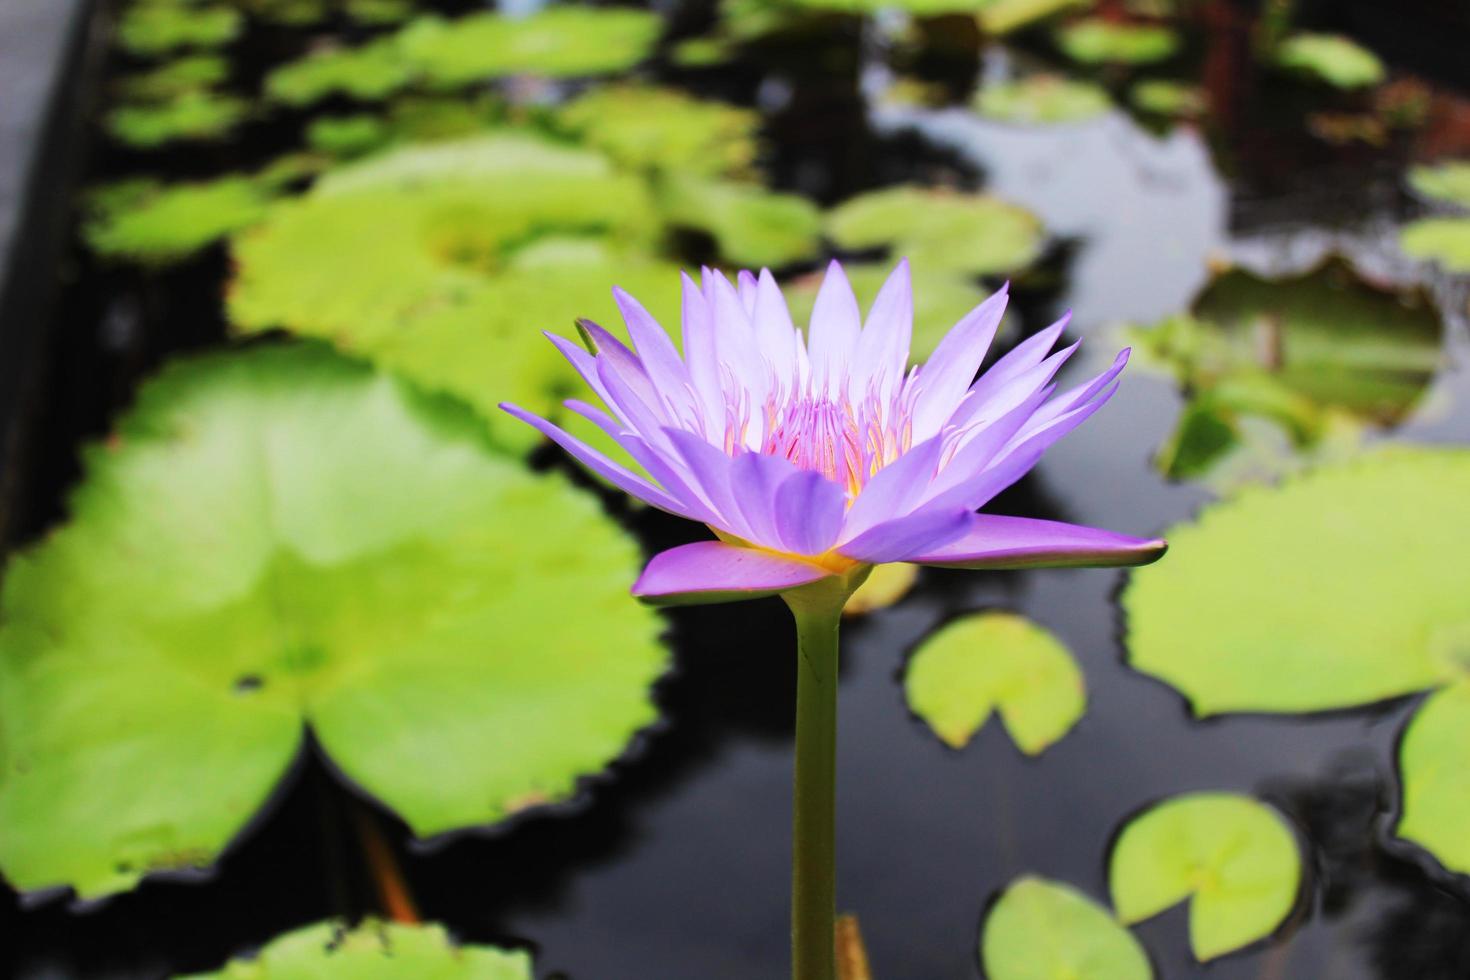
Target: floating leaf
pixel 1366 553
pixel 1233 858
pixel 347 136
pixel 188 74
pixel 659 129
pixel 1448 181
pixel 282 538
pixel 1330 58
pixel 369 74
pixel 1442 240
pixel 157 224
pixel 1096 41
pixel 379 11
pixel 1163 97
pixel 190 116
pixel 559 42
pixel 751 226
pixel 996 661
pixel 1039 99
pixel 940 231
pixel 1004 16
pixel 374 951
pixel 1045 930
pixel 427 119
pixel 1434 756
pixel 152 29
pixel 886 585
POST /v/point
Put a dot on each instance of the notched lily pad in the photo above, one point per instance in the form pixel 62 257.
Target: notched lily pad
pixel 1041 100
pixel 939 230
pixel 157 224
pixel 1330 58
pixel 373 950
pixel 996 662
pixel 1234 859
pixel 663 130
pixel 1046 930
pixel 199 115
pixel 282 538
pixel 1322 594
pixel 1096 41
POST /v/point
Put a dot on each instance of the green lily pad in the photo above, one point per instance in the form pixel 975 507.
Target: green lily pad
pixel 658 129
pixel 373 951
pixel 1330 58
pixel 158 224
pixel 154 29
pixel 369 73
pixel 428 119
pixel 559 42
pixel 1042 99
pixel 703 52
pixel 1046 930
pixel 1442 240
pixel 940 231
pixel 999 17
pixel 1097 41
pixel 885 586
pixel 1433 758
pixel 941 299
pixel 1163 97
pixel 1448 181
pixel 1234 859
pixel 191 73
pixel 751 226
pixel 1365 554
pixel 348 136
pixel 290 13
pixel 996 661
pixel 379 12
pixel 281 538
pixel 190 116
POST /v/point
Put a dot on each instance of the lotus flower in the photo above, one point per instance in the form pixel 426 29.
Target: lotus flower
pixel 820 459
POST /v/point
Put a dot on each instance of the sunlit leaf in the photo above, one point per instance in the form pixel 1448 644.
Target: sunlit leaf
pixel 751 226
pixel 939 230
pixel 658 129
pixel 1042 99
pixel 1234 859
pixel 195 115
pixel 373 951
pixel 1330 58
pixel 190 73
pixel 996 662
pixel 1163 97
pixel 153 29
pixel 565 41
pixel 1095 40
pixel 885 586
pixel 1005 16
pixel 348 136
pixel 1434 757
pixel 1447 181
pixel 369 74
pixel 1442 240
pixel 1326 593
pixel 280 539
pixel 1046 930
pixel 156 224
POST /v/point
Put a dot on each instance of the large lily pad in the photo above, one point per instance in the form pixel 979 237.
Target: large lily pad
pixel 1434 758
pixel 1447 181
pixel 996 662
pixel 751 226
pixel 1046 930
pixel 1234 859
pixel 1442 240
pixel 369 74
pixel 1335 590
pixel 279 539
pixel 374 951
pixel 1096 41
pixel 196 115
pixel 1042 100
pixel 156 27
pixel 560 42
pixel 940 231
pixel 156 224
pixel 1330 58
pixel 658 129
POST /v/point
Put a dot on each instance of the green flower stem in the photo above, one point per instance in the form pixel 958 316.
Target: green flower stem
pixel 818 612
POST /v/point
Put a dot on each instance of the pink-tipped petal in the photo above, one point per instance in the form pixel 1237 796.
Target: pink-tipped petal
pixel 713 571
pixel 993 541
pixel 903 537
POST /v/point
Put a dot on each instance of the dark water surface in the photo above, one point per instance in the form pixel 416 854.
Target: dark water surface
pixel 676 868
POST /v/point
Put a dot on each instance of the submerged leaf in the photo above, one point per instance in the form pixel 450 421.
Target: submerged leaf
pixel 1366 555
pixel 282 538
pixel 996 661
pixel 940 231
pixel 1331 58
pixel 373 951
pixel 1234 859
pixel 1046 930
pixel 1095 40
pixel 1042 99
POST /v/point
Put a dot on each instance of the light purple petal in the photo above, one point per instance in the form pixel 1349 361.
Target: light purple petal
pixel 745 285
pixel 619 476
pixel 735 340
pixel 809 510
pixel 836 323
pixel 712 571
pixel 754 480
pixel 773 326
pixel 585 364
pixel 996 400
pixel 946 376
pixel 710 470
pixel 883 348
pixel 670 474
pixel 994 541
pixel 1020 359
pixel 903 537
pixel 699 355
pixel 1070 399
pixel 656 350
pixel 975 452
pixel 895 490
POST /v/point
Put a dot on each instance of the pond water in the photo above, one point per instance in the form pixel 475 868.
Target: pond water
pixel 675 863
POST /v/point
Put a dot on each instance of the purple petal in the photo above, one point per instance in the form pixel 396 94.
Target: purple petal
pixel 710 472
pixel 670 475
pixel 946 376
pixel 883 348
pixel 655 348
pixel 895 490
pixel 699 355
pixel 903 537
pixel 712 571
pixel 1022 358
pixel 1070 399
pixel 809 509
pixel 754 480
pixel 773 325
pixel 835 326
pixel 994 541
pixel 585 364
